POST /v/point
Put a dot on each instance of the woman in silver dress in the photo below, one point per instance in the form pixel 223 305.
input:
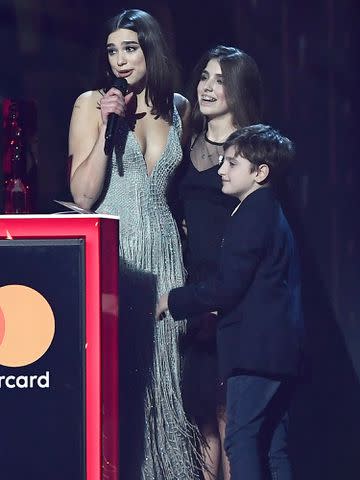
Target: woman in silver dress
pixel 132 183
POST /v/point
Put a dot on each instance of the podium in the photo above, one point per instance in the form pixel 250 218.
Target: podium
pixel 59 347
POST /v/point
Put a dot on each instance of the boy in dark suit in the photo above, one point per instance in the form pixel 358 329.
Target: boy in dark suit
pixel 257 295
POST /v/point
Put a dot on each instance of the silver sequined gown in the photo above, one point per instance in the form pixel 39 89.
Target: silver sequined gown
pixel 150 254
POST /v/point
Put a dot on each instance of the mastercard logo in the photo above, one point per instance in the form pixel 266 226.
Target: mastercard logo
pixel 27 325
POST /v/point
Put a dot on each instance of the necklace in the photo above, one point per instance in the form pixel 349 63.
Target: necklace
pixel 219 144
pixel 205 153
pixel 213 151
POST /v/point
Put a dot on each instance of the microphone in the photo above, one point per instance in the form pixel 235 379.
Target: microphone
pixel 113 119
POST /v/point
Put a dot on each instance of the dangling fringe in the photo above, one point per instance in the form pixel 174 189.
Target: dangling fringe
pixel 171 440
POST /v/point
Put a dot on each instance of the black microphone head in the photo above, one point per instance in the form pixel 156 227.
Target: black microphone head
pixel 121 84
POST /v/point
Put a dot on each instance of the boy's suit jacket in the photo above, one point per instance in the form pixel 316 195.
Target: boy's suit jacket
pixel 256 291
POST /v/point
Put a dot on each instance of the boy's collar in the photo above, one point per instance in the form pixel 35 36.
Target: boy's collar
pixel 264 188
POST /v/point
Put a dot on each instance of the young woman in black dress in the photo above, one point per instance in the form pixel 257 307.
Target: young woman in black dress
pixel 227 95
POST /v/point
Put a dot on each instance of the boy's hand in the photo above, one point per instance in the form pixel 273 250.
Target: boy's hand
pixel 161 306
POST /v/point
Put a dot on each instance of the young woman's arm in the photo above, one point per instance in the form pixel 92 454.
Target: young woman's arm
pixel 86 143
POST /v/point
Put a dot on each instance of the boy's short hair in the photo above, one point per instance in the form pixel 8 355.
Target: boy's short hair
pixel 262 144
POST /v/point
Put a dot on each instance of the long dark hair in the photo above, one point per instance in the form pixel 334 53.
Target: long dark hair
pixel 159 90
pixel 242 83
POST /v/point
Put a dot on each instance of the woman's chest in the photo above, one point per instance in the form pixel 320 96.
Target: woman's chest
pixel 152 138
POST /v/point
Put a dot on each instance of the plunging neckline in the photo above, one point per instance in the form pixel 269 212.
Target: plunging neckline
pixel 136 140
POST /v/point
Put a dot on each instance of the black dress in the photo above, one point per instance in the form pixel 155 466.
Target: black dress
pixel 206 210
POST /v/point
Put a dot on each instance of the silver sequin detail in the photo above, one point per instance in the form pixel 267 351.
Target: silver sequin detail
pixel 149 241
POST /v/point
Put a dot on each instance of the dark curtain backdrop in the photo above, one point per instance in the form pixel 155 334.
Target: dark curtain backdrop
pixel 308 54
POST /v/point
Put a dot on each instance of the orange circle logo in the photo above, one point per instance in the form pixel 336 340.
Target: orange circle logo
pixel 27 325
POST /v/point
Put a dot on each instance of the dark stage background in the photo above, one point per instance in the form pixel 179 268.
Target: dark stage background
pixel 308 54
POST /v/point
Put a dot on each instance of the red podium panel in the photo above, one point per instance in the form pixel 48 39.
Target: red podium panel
pixel 80 252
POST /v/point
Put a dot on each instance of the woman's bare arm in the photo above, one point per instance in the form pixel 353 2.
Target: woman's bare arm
pixel 86 143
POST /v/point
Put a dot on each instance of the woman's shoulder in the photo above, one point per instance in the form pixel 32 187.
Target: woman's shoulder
pixel 87 107
pixel 89 98
pixel 182 105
